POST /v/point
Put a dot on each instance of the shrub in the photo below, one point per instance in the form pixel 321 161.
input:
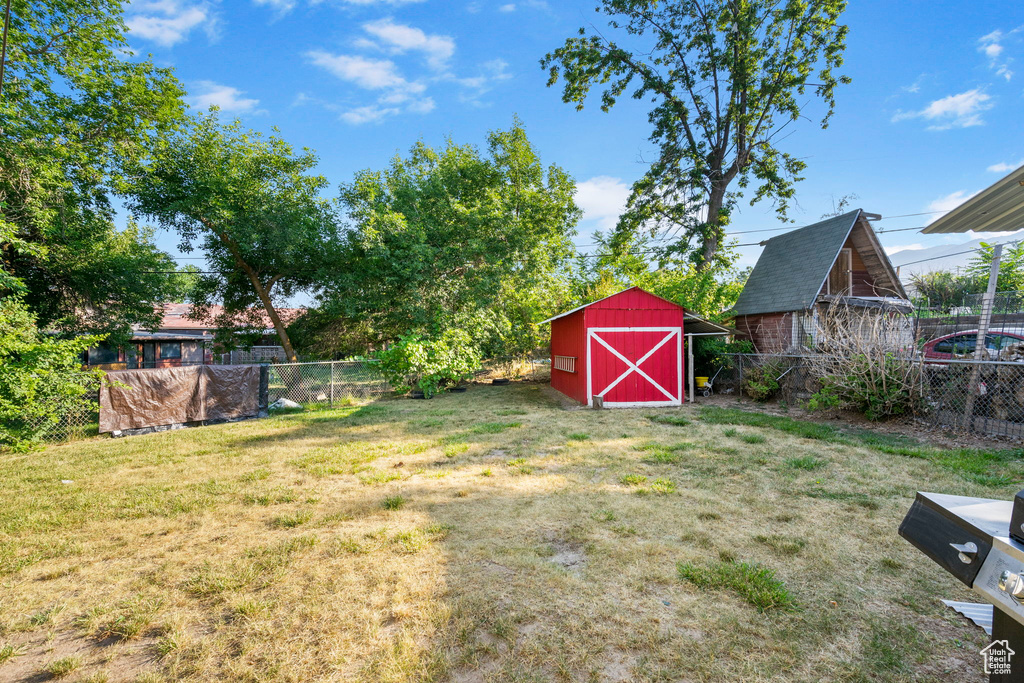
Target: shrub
pixel 761 381
pixel 430 364
pixel 865 364
pixel 41 378
pixel 877 383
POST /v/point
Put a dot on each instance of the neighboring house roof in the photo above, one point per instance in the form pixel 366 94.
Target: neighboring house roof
pixel 176 318
pixel 793 267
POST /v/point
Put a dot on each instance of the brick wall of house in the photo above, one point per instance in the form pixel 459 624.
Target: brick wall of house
pixel 769 332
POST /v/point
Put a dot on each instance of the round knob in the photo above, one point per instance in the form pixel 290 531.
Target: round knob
pixel 1011 583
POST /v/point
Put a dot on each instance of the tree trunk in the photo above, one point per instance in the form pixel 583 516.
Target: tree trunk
pixel 282 333
pixel 262 292
pixel 710 242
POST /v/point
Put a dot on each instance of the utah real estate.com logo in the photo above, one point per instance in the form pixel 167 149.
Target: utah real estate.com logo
pixel 997 657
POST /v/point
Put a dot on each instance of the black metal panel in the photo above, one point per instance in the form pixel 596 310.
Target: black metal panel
pixel 932 531
pixel 1017 519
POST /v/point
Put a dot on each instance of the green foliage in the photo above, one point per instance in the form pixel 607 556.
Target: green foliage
pixel 824 399
pixel 251 205
pixel 879 384
pixel 1011 267
pixel 41 377
pixel 753 582
pixel 761 381
pixel 723 79
pixel 454 238
pixel 942 290
pixel 74 114
pixel 430 364
pixel 707 292
pixel 712 353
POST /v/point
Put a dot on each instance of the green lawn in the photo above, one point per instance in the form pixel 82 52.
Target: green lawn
pixel 484 536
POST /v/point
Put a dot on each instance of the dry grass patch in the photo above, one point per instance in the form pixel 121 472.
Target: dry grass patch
pixel 362 543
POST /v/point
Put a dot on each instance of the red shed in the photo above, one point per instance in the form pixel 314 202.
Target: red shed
pixel 626 349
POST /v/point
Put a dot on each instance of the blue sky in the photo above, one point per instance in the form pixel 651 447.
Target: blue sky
pixel 932 115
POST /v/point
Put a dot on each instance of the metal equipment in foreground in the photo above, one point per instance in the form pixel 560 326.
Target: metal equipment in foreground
pixel 709 386
pixel 980 542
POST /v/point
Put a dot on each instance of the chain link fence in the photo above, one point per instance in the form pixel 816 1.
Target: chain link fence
pixel 72 421
pixel 983 397
pixel 327 383
pixel 986 397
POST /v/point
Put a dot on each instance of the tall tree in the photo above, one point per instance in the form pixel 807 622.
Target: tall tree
pixel 250 204
pixel 726 79
pixel 454 237
pixel 75 110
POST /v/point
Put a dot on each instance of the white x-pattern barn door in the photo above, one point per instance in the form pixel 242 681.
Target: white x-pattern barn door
pixel 666 377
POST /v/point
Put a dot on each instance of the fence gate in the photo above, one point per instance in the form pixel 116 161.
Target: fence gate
pixel 635 366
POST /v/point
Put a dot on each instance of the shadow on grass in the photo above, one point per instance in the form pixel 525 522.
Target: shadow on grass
pixel 994 468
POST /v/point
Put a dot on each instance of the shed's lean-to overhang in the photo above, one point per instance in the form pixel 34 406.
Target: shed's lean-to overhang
pixel 997 208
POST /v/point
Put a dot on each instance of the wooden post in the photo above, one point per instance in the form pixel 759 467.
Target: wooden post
pixel 264 395
pixel 980 350
pixel 689 362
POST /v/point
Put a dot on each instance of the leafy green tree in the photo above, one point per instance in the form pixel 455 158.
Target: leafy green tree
pixel 251 205
pixel 708 293
pixel 1011 267
pixel 75 111
pixel 41 377
pixel 726 78
pixel 429 364
pixel 454 238
pixel 942 290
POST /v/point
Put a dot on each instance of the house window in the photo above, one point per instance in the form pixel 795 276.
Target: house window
pixel 170 350
pixel 102 355
pixel 565 363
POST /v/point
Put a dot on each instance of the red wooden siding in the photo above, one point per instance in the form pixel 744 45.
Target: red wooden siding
pixel 569 339
pixel 632 308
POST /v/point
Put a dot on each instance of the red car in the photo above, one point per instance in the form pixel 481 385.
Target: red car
pixel 961 344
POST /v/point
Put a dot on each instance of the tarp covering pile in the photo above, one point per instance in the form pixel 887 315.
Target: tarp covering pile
pixel 132 399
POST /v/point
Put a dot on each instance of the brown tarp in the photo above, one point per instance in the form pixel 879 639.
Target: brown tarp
pixel 131 399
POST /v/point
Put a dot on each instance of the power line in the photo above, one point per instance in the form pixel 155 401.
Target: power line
pixel 957 253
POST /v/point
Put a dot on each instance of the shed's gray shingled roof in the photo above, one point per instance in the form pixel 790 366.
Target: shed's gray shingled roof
pixel 792 267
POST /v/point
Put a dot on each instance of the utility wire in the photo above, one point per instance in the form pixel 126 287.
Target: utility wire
pixel 957 253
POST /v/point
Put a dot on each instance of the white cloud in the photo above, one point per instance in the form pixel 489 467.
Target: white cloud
pixel 285 6
pixel 421 106
pixel 395 91
pixel 367 114
pixel 167 22
pixel 282 6
pixel 602 199
pixel 917 246
pixel 950 201
pixel 954 111
pixel 371 74
pixel 992 47
pixel 374 74
pixel 210 94
pixel 510 7
pixel 1003 167
pixel 399 38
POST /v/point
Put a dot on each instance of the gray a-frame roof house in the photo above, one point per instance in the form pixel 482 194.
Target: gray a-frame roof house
pixel 837 258
pixel 794 268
